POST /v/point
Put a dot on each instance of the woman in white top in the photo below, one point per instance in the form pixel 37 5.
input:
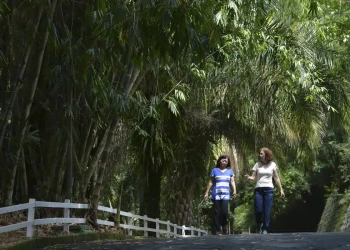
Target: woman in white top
pixel 263 171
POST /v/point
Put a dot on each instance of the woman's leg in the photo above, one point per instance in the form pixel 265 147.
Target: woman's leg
pixel 224 215
pixel 268 200
pixel 258 201
pixel 217 211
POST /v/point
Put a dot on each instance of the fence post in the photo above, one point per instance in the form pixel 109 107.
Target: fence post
pixel 31 216
pixel 145 226
pixel 168 228
pixel 183 230
pixel 66 215
pixel 192 232
pixel 175 230
pixel 157 228
pixel 130 224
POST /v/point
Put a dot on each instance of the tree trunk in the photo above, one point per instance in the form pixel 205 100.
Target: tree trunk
pixel 26 110
pixel 51 166
pixel 92 137
pixel 137 82
pixel 77 173
pixel 93 164
pixel 101 170
pixel 152 196
pixel 119 205
pixel 32 157
pixel 69 170
pixel 104 159
pixel 17 76
pixel 183 214
pixel 128 83
pixel 85 142
pixel 23 179
pixel 232 153
pixel 58 181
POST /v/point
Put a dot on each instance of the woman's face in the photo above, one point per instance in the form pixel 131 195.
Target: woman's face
pixel 261 155
pixel 224 162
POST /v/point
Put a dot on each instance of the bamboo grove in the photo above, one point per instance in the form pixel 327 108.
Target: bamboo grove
pixel 103 97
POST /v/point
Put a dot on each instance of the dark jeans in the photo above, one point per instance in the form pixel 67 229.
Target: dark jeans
pixel 220 213
pixel 263 198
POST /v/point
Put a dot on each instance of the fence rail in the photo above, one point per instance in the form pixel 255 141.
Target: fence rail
pixel 171 229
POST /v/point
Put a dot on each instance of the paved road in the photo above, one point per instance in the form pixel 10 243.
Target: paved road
pixel 304 241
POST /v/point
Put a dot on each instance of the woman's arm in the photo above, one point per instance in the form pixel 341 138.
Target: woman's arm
pixel 210 184
pixel 278 182
pixel 252 177
pixel 233 184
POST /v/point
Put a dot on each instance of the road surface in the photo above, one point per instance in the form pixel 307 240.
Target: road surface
pixel 304 241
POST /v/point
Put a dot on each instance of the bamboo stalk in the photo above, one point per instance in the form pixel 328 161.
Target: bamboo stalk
pixel 60 173
pixel 104 158
pixel 85 142
pixel 69 170
pixel 48 178
pixel 23 179
pixel 117 219
pixel 137 82
pixel 16 79
pixel 93 163
pixel 92 139
pixel 26 110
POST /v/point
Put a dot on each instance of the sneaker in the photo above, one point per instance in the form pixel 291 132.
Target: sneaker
pixel 224 230
pixel 259 229
pixel 218 233
pixel 264 232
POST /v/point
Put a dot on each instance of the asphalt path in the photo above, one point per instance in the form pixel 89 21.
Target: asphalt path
pixel 305 241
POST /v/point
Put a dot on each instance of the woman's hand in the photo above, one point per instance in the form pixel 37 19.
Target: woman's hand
pixel 282 194
pixel 251 177
pixel 234 194
pixel 210 184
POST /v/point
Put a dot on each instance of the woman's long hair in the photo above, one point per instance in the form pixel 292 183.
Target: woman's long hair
pixel 223 157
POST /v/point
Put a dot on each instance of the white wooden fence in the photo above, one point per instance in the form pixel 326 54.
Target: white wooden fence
pixel 171 229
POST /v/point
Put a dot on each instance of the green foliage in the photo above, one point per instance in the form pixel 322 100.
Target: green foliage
pixel 346 198
pixel 334 212
pixel 271 67
pixel 335 155
pixel 244 220
pixel 296 184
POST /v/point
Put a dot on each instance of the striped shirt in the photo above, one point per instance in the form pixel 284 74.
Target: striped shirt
pixel 221 187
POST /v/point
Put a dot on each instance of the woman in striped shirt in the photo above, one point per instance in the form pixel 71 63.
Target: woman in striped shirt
pixel 222 177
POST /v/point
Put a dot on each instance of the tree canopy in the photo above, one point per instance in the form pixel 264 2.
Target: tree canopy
pixel 105 99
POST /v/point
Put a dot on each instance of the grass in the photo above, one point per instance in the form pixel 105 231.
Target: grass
pixel 40 243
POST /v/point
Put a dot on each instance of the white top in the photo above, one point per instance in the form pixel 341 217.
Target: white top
pixel 264 174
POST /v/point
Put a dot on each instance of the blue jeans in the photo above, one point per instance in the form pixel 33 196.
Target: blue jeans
pixel 263 198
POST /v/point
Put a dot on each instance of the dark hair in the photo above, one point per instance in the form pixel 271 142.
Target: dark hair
pixel 223 157
pixel 268 154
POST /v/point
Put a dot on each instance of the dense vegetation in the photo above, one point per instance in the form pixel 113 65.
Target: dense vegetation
pixel 128 103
